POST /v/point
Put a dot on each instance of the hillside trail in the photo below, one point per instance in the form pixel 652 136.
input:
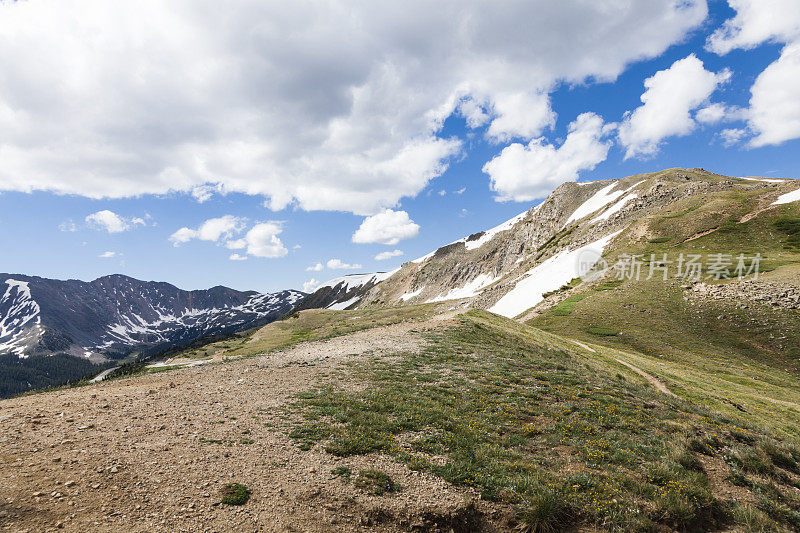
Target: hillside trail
pixel 655 382
pixel 152 452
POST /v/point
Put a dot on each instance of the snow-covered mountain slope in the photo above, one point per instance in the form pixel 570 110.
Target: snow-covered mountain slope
pixel 512 267
pixel 114 316
pixel 343 292
pixel 20 320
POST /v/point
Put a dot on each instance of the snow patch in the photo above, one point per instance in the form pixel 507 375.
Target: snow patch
pixel 549 276
pixel 20 323
pixel 617 207
pixel 768 180
pixel 407 296
pixel 343 305
pixel 788 198
pixel 598 200
pixel 473 288
pixel 352 281
pixel 488 235
pixel 132 329
pixel 423 258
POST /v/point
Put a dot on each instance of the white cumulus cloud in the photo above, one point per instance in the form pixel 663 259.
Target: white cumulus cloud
pixel 109 221
pixel 311 285
pixel 262 240
pixel 213 229
pixel 669 98
pixel 525 172
pixel 338 264
pixel 315 268
pixel 755 22
pixel 107 255
pixel 383 256
pixel 274 98
pixel 716 113
pixel 774 113
pixel 388 227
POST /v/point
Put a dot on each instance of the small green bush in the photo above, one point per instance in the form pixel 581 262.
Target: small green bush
pixel 565 307
pixel 342 471
pixel 756 461
pixel 608 285
pixel 781 458
pixel 689 461
pixel 700 446
pixel 752 520
pixel 791 227
pixel 235 494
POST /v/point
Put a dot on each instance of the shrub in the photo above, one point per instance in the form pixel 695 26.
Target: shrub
pixel 756 461
pixel 699 446
pixel 737 478
pixel 791 227
pixel 235 494
pixel 608 285
pixel 689 461
pixel 565 307
pixel 752 520
pixel 342 471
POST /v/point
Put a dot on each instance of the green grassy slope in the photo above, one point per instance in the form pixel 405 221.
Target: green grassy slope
pixel 557 432
pixel 733 355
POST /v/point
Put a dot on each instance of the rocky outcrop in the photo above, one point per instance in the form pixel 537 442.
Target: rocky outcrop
pixel 747 292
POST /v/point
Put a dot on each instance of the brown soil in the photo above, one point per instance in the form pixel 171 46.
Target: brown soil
pixel 139 454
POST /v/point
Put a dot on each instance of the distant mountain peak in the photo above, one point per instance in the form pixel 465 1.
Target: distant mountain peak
pixel 115 315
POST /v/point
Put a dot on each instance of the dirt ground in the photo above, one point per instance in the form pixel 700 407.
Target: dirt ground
pixel 138 454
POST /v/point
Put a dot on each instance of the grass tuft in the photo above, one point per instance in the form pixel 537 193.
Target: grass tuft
pixel 565 307
pixel 235 494
pixel 547 512
pixel 375 482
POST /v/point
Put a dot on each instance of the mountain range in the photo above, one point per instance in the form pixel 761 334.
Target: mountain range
pixel 117 317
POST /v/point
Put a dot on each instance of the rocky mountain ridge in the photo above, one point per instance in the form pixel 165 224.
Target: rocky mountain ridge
pixel 512 267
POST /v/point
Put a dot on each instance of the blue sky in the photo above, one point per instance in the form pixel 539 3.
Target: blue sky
pixel 350 134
